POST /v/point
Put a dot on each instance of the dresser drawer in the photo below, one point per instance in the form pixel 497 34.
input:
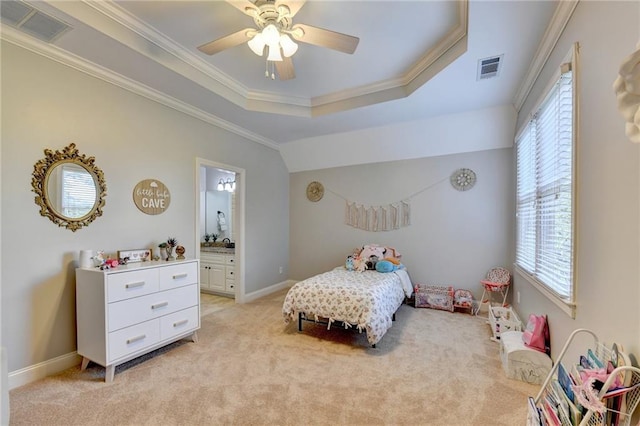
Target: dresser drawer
pixel 126 285
pixel 132 339
pixel 230 272
pixel 178 275
pixel 178 323
pixel 133 311
pixel 231 260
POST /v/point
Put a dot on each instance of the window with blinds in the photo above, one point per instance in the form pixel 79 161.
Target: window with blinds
pixel 544 191
pixel 78 193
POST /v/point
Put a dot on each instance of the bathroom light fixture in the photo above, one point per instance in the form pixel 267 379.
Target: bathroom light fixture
pixel 228 185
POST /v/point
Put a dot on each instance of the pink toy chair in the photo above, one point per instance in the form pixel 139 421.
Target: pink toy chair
pixel 497 280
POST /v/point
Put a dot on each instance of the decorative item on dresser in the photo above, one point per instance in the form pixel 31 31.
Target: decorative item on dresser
pixel 129 311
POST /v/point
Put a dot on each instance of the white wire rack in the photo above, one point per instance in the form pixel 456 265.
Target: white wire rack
pixel 591 417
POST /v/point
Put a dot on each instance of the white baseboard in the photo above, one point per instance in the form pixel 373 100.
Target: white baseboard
pixel 4 388
pixel 250 297
pixel 43 369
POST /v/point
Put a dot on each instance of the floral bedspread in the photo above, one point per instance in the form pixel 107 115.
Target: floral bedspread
pixel 366 300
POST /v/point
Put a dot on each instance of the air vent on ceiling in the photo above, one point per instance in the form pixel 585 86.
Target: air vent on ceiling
pixel 489 67
pixel 24 17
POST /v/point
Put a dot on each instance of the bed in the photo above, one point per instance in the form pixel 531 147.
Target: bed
pixel 366 301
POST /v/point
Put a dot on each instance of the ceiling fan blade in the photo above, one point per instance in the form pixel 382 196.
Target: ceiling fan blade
pixel 326 38
pixel 293 5
pixel 226 42
pixel 244 6
pixel 285 69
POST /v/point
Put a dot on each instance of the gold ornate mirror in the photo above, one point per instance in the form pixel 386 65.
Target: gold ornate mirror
pixel 70 189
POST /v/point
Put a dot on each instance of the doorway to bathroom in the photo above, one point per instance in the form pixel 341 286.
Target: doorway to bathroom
pixel 220 228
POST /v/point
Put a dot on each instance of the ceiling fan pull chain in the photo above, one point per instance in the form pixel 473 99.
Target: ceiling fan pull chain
pixel 266 68
pixel 273 71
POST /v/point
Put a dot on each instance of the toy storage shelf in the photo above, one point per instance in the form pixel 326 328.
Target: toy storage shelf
pixel 502 320
pixel 591 416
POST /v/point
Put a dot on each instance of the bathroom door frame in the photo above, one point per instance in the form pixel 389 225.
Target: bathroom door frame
pixel 238 219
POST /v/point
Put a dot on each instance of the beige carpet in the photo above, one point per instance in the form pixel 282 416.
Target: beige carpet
pixel 431 368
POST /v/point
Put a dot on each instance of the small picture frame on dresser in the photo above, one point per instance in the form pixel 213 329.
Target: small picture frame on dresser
pixel 135 255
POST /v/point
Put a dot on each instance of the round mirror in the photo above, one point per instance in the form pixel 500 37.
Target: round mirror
pixel 70 188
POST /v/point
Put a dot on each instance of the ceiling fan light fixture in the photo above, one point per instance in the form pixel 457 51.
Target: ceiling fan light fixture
pixel 274 53
pixel 257 44
pixel 271 35
pixel 289 47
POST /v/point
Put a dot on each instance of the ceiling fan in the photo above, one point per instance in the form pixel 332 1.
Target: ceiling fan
pixel 275 28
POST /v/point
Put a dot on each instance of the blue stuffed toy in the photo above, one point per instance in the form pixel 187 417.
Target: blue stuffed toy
pixel 349 264
pixel 385 266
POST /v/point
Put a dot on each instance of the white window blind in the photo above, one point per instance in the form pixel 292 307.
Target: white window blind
pixel 544 191
pixel 78 193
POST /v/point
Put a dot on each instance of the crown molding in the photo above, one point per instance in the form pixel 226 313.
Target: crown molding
pixel 451 46
pixel 194 68
pixel 554 30
pixel 61 56
pixel 130 22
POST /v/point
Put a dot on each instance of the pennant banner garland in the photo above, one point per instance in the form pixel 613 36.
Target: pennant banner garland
pixel 378 218
pixel 386 217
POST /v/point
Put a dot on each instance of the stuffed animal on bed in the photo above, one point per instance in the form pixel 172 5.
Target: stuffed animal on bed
pixel 363 260
pixel 388 266
pixel 385 266
pixel 349 266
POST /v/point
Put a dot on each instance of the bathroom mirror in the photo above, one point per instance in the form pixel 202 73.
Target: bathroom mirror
pixel 70 189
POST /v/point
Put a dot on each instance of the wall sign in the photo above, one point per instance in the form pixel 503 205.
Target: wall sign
pixel 151 196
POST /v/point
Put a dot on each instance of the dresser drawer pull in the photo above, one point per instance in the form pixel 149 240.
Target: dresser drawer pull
pixel 178 276
pixel 230 260
pixel 231 273
pixel 159 305
pixel 179 323
pixel 132 285
pixel 135 339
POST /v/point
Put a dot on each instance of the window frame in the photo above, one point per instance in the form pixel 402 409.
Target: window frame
pixel 567 305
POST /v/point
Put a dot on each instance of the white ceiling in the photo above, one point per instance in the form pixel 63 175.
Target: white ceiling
pixel 391 77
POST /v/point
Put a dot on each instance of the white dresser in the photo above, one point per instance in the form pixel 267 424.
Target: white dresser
pixel 125 312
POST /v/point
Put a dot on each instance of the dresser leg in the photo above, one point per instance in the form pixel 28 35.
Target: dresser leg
pixel 85 363
pixel 108 374
pixel 194 337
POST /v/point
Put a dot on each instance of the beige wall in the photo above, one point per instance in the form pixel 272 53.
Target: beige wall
pixel 608 167
pixel 48 105
pixel 454 237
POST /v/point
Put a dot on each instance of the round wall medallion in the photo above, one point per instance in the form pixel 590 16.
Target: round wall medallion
pixel 315 191
pixel 151 196
pixel 463 179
